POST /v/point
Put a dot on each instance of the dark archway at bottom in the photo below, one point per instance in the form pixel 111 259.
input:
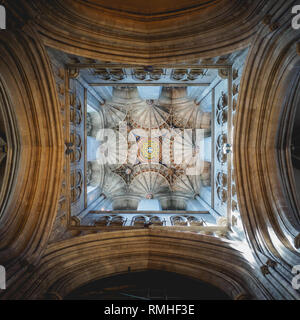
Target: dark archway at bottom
pixel 148 285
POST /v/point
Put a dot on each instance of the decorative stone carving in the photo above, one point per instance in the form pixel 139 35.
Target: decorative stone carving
pixel 222 116
pixel 156 221
pixel 61 89
pixel 69 148
pixel 75 194
pixel 76 116
pixel 271 263
pixel 196 73
pixel 76 185
pixel 117 75
pixel 179 74
pixel 186 75
pixel 234 104
pixel 221 180
pixel 139 221
pixel 222 194
pixel 235 74
pixel 223 59
pixel 72 99
pixel 235 89
pixel 264 270
pixel 75 148
pixel 74 222
pixel 103 74
pixel 148 74
pixel 75 110
pixel 61 205
pixel 179 221
pixel 221 110
pixel 63 186
pixel 102 221
pixel 73 73
pixel 76 156
pixel 117 221
pixel 223 101
pixel 234 220
pixel 222 221
pixel 221 141
pixel 110 74
pixel 223 73
pixel 193 221
pixel 234 206
pixel 61 73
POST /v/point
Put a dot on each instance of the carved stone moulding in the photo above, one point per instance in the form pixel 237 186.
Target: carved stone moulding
pixel 221 141
pixel 188 74
pixel 148 74
pixel 221 180
pixel 222 194
pixel 110 74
